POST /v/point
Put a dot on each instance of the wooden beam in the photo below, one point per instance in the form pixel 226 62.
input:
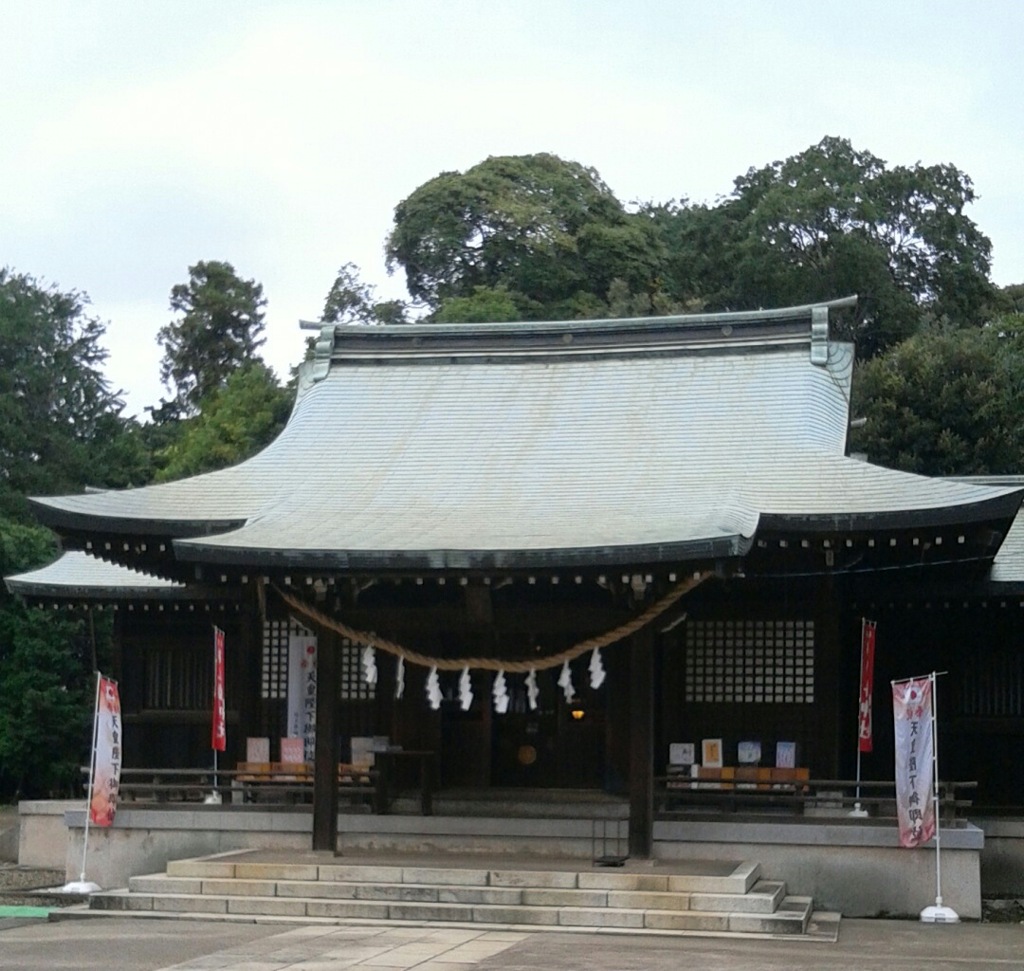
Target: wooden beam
pixel 325 762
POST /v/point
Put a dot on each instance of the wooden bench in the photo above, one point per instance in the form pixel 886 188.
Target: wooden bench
pixel 755 788
pixel 293 781
pixel 248 782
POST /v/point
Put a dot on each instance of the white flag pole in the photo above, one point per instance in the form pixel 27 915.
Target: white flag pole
pixel 81 885
pixel 937 914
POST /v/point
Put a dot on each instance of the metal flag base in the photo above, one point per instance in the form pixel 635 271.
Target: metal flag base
pixel 80 886
pixel 937 914
pixel 857 812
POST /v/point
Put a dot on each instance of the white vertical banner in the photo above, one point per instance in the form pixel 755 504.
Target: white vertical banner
pixel 913 717
pixel 302 691
pixel 106 773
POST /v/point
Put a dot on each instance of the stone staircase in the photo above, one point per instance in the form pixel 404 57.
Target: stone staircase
pixel 693 897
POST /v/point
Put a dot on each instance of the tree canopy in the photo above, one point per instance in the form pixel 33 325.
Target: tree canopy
pixel 60 422
pixel 546 232
pixel 946 401
pixel 220 328
pixel 351 301
pixel 828 222
pixel 235 422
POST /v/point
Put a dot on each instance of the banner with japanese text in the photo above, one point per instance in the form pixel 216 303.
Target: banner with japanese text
pixel 219 735
pixel 912 716
pixel 867 678
pixel 302 691
pixel 106 773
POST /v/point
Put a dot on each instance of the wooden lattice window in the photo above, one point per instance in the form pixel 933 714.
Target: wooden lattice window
pixel 992 684
pixel 351 682
pixel 274 668
pixel 750 661
pixel 274 677
pixel 178 680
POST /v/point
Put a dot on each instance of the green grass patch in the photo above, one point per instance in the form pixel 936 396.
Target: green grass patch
pixel 25 911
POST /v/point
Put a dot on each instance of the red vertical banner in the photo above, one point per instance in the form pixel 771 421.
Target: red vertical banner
pixel 106 774
pixel 913 718
pixel 220 733
pixel 867 680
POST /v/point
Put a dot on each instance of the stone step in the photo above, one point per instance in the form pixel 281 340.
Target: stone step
pixel 739 879
pixel 696 897
pixel 763 898
pixel 790 919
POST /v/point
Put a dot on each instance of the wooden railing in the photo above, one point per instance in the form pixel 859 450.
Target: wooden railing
pixel 249 782
pixel 751 789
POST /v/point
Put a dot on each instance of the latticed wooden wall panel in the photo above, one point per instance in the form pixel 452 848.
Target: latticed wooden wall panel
pixel 750 661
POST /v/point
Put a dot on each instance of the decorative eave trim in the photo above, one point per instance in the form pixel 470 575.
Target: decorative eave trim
pixel 1001 507
pixel 529 340
pixel 718 548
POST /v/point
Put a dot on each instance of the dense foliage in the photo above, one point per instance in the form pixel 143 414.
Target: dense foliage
pixel 236 421
pixel 946 401
pixel 547 233
pixel 833 221
pixel 220 328
pixel 60 429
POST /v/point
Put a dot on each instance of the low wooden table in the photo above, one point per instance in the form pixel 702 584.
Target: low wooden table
pixel 389 763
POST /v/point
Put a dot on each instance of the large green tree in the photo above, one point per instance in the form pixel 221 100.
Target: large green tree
pixel 831 221
pixel 60 423
pixel 547 233
pixel 220 328
pixel 46 662
pixel 60 430
pixel 234 422
pixel 946 401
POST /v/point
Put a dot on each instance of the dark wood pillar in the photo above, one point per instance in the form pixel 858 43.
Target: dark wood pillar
pixel 325 763
pixel 641 743
pixel 250 654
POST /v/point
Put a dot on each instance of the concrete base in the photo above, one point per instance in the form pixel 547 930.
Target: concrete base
pixel 43 832
pixel 1002 863
pixel 9 829
pixel 855 868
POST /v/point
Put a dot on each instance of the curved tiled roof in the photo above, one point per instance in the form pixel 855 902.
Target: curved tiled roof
pixel 573 442
pixel 77 574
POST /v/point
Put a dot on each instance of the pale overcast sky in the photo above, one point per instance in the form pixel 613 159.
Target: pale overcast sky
pixel 139 137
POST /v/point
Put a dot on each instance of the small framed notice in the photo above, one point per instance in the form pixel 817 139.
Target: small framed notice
pixel 293 749
pixel 748 753
pixel 681 753
pixel 257 749
pixel 711 753
pixel 785 755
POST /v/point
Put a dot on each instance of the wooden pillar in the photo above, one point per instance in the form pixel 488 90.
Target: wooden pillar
pixel 641 744
pixel 248 686
pixel 828 643
pixel 325 763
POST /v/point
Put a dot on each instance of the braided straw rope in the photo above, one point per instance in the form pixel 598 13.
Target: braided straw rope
pixel 487 663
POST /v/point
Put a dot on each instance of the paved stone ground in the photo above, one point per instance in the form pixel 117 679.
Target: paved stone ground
pixel 144 944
